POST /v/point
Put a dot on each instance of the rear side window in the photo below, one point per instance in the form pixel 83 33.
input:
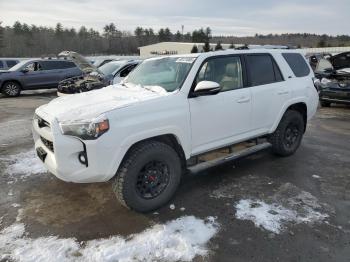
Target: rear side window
pixel 52 65
pixel 11 63
pixel 67 64
pixel 297 63
pixel 1 64
pixel 262 70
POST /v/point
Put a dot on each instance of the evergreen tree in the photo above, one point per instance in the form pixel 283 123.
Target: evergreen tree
pixel 1 36
pixel 218 47
pixel 206 47
pixel 232 46
pixel 194 49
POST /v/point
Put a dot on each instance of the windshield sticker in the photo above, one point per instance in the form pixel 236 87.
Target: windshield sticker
pixel 189 60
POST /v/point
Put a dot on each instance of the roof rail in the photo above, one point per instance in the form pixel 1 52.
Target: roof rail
pixel 52 57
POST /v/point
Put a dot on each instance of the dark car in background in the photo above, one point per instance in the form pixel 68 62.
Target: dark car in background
pixel 333 79
pixel 6 64
pixel 36 74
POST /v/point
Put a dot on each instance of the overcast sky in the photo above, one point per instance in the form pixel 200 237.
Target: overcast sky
pixel 228 17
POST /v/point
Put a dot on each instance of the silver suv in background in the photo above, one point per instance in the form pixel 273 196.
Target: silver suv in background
pixel 6 64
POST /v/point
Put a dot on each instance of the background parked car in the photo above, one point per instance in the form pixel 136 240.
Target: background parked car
pixel 101 61
pixel 36 74
pixel 6 64
pixel 333 80
pixel 116 71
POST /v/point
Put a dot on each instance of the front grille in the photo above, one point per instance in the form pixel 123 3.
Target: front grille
pixel 47 143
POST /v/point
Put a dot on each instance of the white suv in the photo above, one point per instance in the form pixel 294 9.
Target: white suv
pixel 177 113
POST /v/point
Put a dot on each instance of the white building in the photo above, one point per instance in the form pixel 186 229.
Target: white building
pixel 172 48
pixel 178 48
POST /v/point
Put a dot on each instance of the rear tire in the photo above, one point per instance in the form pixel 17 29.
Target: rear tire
pixel 325 104
pixel 288 135
pixel 148 176
pixel 11 89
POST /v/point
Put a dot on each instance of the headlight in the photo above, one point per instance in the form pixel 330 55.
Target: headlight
pixel 87 130
pixel 325 81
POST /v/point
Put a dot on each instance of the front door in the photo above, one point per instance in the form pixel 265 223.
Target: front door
pixel 217 120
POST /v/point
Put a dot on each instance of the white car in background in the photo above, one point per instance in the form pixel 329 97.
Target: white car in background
pixel 177 113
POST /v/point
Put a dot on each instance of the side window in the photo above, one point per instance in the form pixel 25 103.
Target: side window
pixel 1 64
pixel 126 71
pixel 226 71
pixel 11 63
pixel 68 64
pixel 263 70
pixel 34 66
pixel 49 65
pixel 297 63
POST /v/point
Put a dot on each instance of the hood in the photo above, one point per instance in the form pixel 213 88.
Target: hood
pixel 81 62
pixel 341 60
pixel 89 105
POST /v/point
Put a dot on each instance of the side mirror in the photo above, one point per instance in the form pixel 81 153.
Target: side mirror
pixel 206 88
pixel 25 70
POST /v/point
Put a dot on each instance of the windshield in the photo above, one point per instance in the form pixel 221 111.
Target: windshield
pixel 166 72
pixel 111 68
pixel 18 66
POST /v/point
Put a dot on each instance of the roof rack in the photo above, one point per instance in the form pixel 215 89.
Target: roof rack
pixel 52 57
pixel 245 47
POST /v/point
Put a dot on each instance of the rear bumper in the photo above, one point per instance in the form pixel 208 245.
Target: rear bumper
pixel 342 97
pixel 335 100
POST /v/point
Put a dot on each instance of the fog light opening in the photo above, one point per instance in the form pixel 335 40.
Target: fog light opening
pixel 83 158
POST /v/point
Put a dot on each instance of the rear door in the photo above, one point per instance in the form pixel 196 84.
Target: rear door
pixel 269 90
pixel 217 120
pixel 52 73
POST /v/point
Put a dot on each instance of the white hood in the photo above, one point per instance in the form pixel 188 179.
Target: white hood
pixel 88 105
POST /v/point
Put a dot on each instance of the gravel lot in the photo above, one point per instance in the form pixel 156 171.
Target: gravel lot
pixel 265 208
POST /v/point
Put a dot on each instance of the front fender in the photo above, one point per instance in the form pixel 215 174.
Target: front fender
pixel 131 140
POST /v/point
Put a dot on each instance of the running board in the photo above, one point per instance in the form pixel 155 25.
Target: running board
pixel 236 155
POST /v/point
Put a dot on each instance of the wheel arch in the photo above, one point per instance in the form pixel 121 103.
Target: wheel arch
pixel 11 80
pixel 169 138
pixel 299 106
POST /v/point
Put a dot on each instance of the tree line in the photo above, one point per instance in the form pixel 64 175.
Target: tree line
pixel 23 40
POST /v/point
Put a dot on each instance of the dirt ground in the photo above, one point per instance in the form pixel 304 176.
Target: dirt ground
pixel 317 176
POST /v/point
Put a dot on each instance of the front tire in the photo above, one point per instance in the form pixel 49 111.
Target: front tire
pixel 148 177
pixel 288 135
pixel 11 89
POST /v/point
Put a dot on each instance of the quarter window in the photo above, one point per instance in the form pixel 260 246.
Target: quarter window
pixel 11 63
pixel 263 70
pixel 226 71
pixel 297 63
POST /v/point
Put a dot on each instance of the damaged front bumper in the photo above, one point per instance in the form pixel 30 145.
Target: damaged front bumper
pixel 69 158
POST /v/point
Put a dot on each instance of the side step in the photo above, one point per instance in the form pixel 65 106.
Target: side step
pixel 233 156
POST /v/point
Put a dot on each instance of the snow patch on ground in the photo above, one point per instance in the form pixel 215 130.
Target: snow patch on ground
pixel 178 240
pixel 267 216
pixel 289 205
pixel 24 164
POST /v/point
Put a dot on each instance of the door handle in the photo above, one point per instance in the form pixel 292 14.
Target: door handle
pixel 243 100
pixel 284 92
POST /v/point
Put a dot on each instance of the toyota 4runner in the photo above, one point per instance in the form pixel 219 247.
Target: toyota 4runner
pixel 175 114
